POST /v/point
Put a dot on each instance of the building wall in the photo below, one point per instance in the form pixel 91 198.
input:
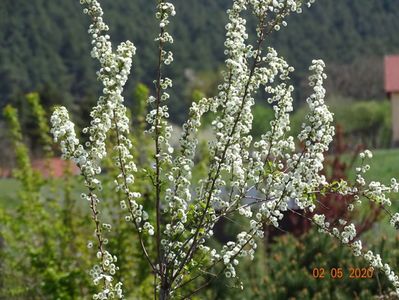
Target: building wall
pixel 395 118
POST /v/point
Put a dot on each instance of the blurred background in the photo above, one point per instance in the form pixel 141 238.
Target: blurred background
pixel 45 61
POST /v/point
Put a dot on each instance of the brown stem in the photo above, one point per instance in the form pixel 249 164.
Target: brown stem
pixel 158 151
pixel 126 188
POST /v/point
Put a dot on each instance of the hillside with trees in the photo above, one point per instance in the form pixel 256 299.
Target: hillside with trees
pixel 44 47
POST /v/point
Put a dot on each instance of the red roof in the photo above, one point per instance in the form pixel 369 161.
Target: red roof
pixel 54 167
pixel 392 73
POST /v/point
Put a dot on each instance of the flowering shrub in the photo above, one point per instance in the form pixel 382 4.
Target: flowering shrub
pixel 256 179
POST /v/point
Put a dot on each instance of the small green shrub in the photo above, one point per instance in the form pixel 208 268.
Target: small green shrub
pixel 283 270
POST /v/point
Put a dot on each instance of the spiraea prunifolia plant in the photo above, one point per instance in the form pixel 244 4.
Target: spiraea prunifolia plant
pixel 256 179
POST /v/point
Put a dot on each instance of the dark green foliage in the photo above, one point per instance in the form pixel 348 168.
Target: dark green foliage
pixel 140 97
pixel 350 36
pixel 44 46
pixel 262 117
pixel 367 122
pixel 283 270
pixel 42 255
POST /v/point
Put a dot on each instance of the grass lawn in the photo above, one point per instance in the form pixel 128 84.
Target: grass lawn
pixel 384 165
pixel 9 192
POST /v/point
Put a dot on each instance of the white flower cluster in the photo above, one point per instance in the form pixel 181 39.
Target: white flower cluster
pixel 63 131
pixel 245 246
pixel 376 262
pixel 115 68
pixel 99 274
pixel 366 154
pixel 289 176
pixel 374 191
pixel 157 117
pixel 260 180
pixel 392 277
pixel 178 197
pixel 347 236
pixel 357 247
pixel 109 113
pixel 394 185
pixel 320 220
pixel 279 7
pixel 395 220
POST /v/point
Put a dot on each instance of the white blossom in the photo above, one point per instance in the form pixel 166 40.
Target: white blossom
pixel 258 179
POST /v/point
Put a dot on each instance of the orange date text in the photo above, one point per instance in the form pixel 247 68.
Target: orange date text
pixel 339 273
